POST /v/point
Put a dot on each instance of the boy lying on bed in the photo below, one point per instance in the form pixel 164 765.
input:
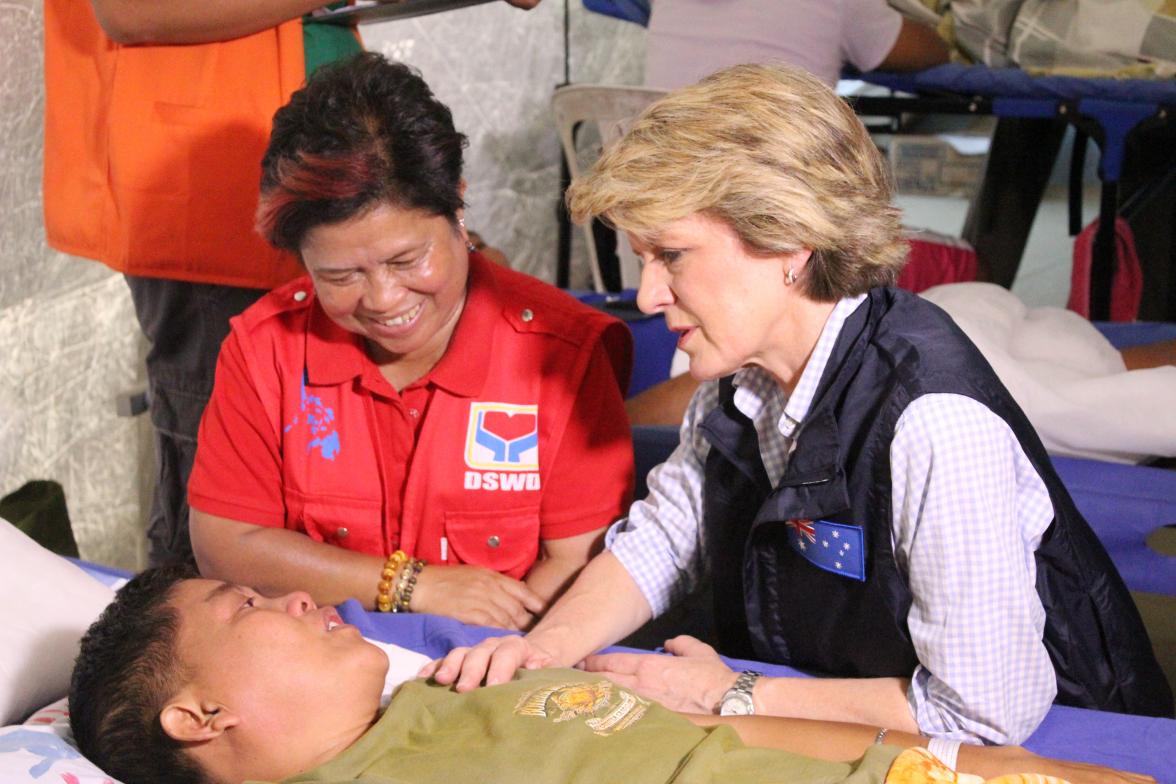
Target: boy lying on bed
pixel 191 680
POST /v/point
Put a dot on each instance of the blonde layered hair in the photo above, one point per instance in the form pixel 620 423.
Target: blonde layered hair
pixel 771 151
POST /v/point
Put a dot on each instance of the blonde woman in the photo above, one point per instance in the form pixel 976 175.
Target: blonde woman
pixel 865 496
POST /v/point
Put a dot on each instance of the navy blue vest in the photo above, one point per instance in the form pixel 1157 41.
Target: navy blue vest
pixel 772 604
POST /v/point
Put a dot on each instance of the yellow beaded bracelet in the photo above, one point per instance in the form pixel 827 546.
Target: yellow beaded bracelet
pixel 384 600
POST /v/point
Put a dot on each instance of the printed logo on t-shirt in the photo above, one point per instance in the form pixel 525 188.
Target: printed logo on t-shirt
pixel 605 708
pixel 502 446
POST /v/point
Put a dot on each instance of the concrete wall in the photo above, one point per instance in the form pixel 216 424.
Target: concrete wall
pixel 69 343
pixel 68 338
pixel 496 67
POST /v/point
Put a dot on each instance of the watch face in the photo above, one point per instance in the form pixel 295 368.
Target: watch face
pixel 736 704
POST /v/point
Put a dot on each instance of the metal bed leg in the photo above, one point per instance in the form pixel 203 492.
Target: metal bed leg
pixel 1103 257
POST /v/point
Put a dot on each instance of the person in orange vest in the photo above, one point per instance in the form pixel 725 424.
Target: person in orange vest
pixel 156 116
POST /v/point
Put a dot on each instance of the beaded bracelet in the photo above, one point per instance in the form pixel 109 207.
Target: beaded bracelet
pixel 406 585
pixel 384 600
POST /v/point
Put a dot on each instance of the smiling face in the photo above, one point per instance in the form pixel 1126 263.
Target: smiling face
pixel 731 307
pixel 281 683
pixel 396 277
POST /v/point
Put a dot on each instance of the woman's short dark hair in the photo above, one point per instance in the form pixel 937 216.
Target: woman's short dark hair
pixel 126 671
pixel 362 132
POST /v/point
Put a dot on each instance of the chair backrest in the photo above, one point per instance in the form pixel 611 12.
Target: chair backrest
pixel 611 108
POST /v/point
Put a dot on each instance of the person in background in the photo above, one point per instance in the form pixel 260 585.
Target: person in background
pixel 156 116
pixel 689 39
pixel 187 680
pixel 864 496
pixel 411 425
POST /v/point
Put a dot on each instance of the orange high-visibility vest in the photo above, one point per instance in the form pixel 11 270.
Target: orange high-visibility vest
pixel 153 153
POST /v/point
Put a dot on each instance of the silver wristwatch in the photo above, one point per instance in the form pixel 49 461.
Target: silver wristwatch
pixel 737 700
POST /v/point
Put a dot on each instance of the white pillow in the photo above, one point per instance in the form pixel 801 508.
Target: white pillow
pixel 48 604
pixel 27 753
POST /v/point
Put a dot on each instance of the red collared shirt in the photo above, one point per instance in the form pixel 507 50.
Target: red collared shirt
pixel 518 434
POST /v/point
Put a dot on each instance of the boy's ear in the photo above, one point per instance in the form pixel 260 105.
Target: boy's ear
pixel 186 718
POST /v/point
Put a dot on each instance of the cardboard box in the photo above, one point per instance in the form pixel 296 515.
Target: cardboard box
pixel 929 165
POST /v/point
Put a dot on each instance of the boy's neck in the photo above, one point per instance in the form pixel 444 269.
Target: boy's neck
pixel 241 759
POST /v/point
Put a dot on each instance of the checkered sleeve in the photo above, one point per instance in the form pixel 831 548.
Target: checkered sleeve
pixel 969 511
pixel 660 542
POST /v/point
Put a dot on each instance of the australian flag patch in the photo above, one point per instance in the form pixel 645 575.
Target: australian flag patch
pixel 834 547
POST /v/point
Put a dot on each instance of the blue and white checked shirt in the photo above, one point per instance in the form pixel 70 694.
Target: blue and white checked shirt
pixel 969 512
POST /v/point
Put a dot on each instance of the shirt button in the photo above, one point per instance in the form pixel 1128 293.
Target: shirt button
pixel 342 532
pixel 527 314
pixel 412 412
pixel 299 296
pixel 493 541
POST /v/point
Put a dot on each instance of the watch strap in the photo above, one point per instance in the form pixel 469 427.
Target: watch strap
pixel 742 686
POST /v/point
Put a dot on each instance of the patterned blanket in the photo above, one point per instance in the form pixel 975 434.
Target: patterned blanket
pixel 1121 38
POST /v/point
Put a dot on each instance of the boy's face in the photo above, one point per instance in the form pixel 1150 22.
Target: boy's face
pixel 291 671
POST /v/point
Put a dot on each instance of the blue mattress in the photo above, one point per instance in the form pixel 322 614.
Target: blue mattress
pixel 1117 106
pixel 1135 743
pixel 1013 83
pixel 635 11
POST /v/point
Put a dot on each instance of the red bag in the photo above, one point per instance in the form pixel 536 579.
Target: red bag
pixel 1127 284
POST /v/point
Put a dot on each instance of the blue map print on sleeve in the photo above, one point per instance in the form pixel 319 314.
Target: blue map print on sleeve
pixel 319 419
pixel 43 744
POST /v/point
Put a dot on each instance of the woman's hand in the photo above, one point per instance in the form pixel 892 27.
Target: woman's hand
pixel 693 680
pixel 992 761
pixel 494 659
pixel 474 594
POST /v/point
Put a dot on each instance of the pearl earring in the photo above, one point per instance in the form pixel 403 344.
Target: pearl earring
pixel 790 276
pixel 471 247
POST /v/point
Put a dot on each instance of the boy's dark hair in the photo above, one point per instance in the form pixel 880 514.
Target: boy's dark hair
pixel 362 131
pixel 125 672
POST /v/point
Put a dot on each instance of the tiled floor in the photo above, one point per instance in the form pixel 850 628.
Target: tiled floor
pixel 1044 276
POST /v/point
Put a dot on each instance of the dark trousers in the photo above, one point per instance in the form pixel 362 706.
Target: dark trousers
pixel 1019 164
pixel 185 324
pixel 1020 160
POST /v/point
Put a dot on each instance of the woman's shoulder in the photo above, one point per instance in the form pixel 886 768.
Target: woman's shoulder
pixel 534 306
pixel 290 302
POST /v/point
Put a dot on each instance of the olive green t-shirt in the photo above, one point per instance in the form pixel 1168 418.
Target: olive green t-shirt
pixel 560 726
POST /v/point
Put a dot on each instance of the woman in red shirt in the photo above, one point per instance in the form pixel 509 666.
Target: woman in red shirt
pixel 408 406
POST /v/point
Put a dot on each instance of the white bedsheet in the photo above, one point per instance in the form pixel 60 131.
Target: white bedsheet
pixel 1069 380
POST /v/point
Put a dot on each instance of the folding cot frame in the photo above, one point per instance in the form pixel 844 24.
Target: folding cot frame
pixel 1111 112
